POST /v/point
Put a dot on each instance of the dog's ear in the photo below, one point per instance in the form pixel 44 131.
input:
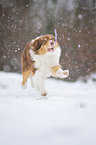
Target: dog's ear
pixel 36 44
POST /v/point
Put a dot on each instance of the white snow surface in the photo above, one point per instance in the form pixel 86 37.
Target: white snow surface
pixel 66 117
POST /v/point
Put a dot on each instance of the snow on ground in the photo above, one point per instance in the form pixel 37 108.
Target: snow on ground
pixel 66 117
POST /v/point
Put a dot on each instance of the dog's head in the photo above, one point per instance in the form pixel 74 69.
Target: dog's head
pixel 44 44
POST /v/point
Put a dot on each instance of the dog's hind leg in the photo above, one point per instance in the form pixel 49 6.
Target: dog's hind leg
pixel 32 83
pixel 41 87
pixel 39 83
pixel 26 75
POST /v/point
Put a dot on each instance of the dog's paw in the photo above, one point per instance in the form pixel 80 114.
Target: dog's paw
pixel 24 86
pixel 62 74
pixel 66 73
pixel 42 98
pixel 44 94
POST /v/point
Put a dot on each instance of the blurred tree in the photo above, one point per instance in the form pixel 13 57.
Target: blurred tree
pixel 75 21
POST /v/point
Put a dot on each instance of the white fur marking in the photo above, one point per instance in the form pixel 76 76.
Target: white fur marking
pixel 62 74
pixel 44 63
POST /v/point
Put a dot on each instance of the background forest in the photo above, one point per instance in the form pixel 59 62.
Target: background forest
pixel 75 21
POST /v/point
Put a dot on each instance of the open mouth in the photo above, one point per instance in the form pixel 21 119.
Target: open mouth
pixel 50 49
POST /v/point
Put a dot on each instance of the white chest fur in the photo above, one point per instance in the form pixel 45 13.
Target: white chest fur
pixel 44 62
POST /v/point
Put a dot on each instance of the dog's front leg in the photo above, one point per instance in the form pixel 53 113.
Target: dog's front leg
pixel 58 72
pixel 39 83
pixel 42 87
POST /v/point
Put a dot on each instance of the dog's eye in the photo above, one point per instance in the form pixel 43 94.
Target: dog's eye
pixel 53 39
pixel 44 41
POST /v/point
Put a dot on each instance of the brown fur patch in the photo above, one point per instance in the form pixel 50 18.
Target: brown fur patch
pixel 25 74
pixel 26 60
pixel 40 44
pixel 27 63
pixel 54 69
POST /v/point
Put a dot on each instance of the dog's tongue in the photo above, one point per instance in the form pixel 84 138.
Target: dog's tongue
pixel 51 49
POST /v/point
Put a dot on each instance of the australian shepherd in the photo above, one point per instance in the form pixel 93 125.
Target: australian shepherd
pixel 39 60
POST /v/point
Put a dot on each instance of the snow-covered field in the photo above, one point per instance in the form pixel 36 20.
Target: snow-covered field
pixel 66 117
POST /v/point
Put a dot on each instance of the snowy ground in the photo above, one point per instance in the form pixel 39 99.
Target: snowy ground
pixel 66 117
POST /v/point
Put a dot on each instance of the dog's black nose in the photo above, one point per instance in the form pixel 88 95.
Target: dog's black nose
pixel 52 43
